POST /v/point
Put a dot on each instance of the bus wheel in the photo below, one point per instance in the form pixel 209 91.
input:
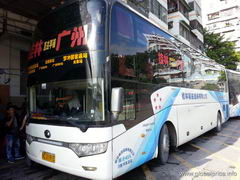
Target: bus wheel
pixel 29 162
pixel 163 145
pixel 219 123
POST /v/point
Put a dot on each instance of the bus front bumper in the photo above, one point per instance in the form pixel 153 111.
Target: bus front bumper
pixel 92 167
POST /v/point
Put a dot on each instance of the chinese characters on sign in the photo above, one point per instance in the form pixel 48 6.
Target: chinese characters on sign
pixel 77 58
pixel 165 60
pixel 77 36
pixel 32 68
pixel 35 50
pixel 51 44
pixel 193 96
pixel 125 157
pixel 162 59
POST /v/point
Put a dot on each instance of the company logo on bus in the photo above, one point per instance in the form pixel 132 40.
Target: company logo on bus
pixel 193 96
pixel 47 133
pixel 125 157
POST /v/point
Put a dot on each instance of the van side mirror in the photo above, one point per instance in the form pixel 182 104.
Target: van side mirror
pixel 117 101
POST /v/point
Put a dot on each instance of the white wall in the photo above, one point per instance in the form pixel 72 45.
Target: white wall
pixel 228 22
pixel 211 6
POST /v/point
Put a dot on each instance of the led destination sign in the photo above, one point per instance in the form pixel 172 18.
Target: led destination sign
pixel 64 40
pixel 71 59
pixel 51 53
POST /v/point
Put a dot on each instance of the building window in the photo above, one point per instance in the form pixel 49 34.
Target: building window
pixel 191 4
pixel 141 6
pixel 197 9
pixel 224 32
pixel 159 10
pixel 196 25
pixel 228 23
pixel 213 16
pixel 184 32
pixel 194 6
pixel 172 6
pixel 183 10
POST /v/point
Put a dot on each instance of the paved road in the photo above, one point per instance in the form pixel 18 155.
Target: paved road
pixel 211 156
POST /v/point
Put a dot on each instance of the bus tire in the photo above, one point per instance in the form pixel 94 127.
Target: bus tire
pixel 219 123
pixel 163 145
pixel 29 162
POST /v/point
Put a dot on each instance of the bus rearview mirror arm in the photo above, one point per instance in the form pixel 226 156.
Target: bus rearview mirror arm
pixel 117 102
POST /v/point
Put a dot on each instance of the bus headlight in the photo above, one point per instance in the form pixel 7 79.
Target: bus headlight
pixel 29 139
pixel 87 149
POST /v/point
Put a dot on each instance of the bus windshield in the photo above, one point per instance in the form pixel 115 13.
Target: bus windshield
pixel 72 100
pixel 66 60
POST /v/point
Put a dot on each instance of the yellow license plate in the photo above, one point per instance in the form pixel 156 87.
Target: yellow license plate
pixel 48 157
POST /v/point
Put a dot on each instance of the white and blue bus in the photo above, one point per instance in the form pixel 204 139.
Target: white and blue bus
pixel 109 91
pixel 234 93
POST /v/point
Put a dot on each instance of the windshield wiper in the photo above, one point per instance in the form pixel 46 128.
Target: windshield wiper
pixel 71 121
pixel 73 118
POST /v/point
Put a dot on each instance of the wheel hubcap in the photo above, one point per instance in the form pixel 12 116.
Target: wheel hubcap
pixel 165 143
pixel 219 122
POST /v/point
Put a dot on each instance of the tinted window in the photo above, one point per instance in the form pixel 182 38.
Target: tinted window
pixel 234 87
pixel 203 75
pixel 147 55
pixel 141 56
pixel 144 58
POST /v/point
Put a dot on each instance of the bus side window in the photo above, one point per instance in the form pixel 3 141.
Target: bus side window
pixel 143 101
pixel 124 24
pixel 189 69
pixel 129 108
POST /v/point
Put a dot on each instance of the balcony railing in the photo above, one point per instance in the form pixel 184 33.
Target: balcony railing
pixel 142 6
pixel 195 42
pixel 196 25
pixel 178 5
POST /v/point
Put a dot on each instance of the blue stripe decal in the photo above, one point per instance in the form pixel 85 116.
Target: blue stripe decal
pixel 238 111
pixel 150 143
pixel 219 97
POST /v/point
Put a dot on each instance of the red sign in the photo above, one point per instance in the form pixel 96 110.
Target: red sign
pixel 77 36
pixel 162 59
pixel 165 60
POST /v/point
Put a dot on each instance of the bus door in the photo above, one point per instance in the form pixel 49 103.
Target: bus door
pixel 133 136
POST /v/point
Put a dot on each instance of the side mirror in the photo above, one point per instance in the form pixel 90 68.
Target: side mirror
pixel 117 101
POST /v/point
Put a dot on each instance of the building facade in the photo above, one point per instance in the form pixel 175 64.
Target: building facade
pixel 223 17
pixel 195 18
